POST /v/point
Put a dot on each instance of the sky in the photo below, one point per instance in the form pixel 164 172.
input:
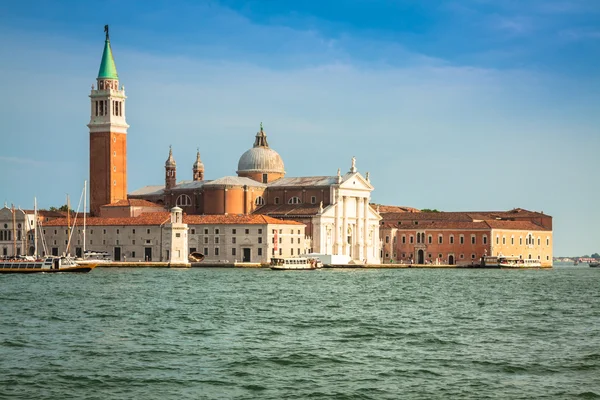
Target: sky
pixel 467 105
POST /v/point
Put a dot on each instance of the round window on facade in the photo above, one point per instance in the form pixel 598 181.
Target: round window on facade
pixel 5 226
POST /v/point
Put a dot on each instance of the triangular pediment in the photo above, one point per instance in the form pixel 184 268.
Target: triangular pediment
pixel 354 180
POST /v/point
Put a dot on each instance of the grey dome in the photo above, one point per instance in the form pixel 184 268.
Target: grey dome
pixel 260 159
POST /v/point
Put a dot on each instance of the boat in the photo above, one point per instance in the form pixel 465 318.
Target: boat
pixel 49 264
pixel 295 263
pixel 501 261
pixel 594 264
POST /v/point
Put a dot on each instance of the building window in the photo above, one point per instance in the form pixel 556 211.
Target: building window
pixel 387 239
pixel 205 239
pixel 451 239
pixel 265 178
pixel 247 231
pixel 473 256
pixel 216 231
pixel 292 252
pixel 403 239
pixel 205 251
pixel 260 251
pixel 547 241
pixel 412 239
pixel 148 231
pixel 294 200
pixel 133 231
pixel 233 251
pixel 462 256
pixel 461 239
pixel 206 231
pixel 260 231
pixel 520 240
pixel 234 231
pixel 503 240
pixel 183 201
pixel 539 241
pixel 216 240
pixel 280 251
pixel 133 254
pixel 313 199
pixel 484 239
pixel 497 239
pixel 118 231
pixel 216 251
pixel 512 240
pixel 440 239
pixel 276 200
pixel 133 242
pixel 260 201
pixel 193 231
pixel 260 240
pixel 233 240
pixel 473 240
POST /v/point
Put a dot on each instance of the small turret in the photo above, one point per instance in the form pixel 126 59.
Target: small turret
pixel 198 169
pixel 170 171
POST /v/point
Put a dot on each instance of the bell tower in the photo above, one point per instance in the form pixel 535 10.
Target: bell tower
pixel 170 171
pixel 108 135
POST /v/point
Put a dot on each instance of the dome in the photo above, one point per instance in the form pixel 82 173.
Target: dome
pixel 261 158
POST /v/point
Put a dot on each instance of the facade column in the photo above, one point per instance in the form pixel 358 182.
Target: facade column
pixel 345 227
pixel 359 224
pixel 366 228
pixel 336 248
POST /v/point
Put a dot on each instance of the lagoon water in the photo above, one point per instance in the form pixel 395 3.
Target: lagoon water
pixel 329 334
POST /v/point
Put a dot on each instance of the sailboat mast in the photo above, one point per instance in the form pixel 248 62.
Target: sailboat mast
pixel 84 213
pixel 68 225
pixel 35 224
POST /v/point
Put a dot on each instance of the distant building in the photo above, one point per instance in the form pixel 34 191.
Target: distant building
pixel 465 237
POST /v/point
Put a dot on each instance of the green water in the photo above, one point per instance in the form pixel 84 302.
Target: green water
pixel 328 334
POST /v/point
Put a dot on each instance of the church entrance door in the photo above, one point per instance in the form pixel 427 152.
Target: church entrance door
pixel 247 253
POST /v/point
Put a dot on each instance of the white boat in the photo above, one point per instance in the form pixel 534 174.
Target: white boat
pixel 28 265
pixel 94 257
pixel 295 263
pixel 501 261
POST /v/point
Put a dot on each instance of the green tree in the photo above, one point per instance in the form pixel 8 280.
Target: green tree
pixel 429 210
pixel 596 255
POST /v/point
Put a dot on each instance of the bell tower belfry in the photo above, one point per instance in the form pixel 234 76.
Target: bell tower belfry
pixel 108 135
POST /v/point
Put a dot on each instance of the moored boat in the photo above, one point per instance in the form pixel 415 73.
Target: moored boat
pixel 50 264
pixel 509 262
pixel 295 263
pixel 594 264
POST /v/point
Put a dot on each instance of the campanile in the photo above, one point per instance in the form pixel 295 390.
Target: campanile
pixel 108 135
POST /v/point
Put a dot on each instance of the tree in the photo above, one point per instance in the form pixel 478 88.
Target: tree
pixel 429 210
pixel 596 255
pixel 64 208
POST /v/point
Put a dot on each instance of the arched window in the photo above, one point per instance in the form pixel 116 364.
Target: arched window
pixel 183 200
pixel 294 200
pixel 260 201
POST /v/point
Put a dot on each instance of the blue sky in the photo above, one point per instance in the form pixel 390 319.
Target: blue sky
pixel 454 105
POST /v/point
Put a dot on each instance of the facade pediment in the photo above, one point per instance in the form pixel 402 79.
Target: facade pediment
pixel 355 181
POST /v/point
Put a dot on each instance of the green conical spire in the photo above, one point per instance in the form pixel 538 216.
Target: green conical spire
pixel 107 66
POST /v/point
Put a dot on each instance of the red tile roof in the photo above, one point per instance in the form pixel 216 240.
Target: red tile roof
pixel 133 203
pixel 153 218
pixel 288 210
pixel 159 218
pixel 253 219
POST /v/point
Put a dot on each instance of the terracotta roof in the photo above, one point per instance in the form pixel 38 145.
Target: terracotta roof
pixel 235 181
pixel 148 190
pixel 253 219
pixel 285 210
pixel 520 225
pixel 133 203
pixel 393 209
pixel 153 218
